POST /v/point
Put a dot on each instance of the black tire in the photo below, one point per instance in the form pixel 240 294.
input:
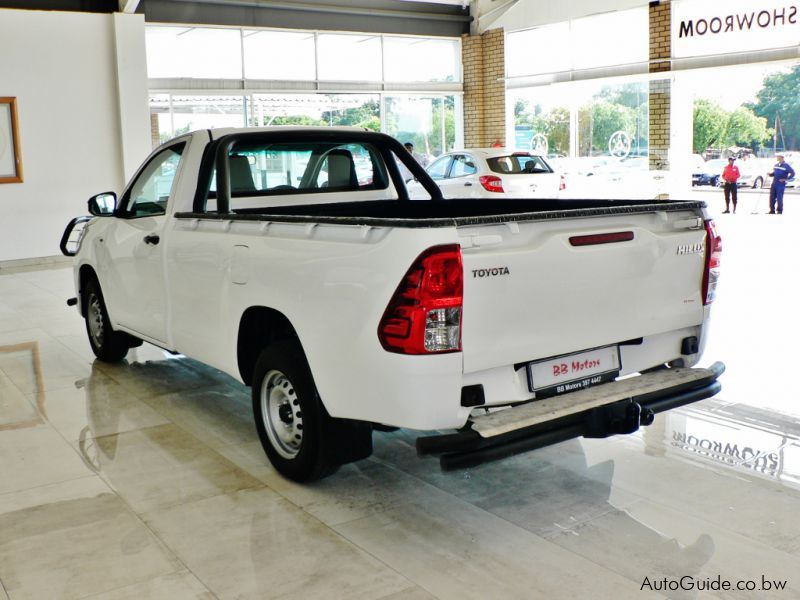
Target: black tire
pixel 758 183
pixel 300 439
pixel 108 345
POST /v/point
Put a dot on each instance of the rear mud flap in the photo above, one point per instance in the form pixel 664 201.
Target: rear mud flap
pixel 618 407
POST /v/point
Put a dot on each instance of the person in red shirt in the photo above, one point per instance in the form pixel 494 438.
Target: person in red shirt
pixel 730 175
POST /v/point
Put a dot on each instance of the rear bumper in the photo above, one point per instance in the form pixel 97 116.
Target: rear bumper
pixel 601 411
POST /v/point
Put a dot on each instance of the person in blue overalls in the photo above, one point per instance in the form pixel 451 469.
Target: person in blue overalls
pixel 781 173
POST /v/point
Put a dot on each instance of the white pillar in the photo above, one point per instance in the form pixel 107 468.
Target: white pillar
pixel 681 125
pixel 134 110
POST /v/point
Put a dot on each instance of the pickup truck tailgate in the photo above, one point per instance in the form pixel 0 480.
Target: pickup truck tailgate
pixel 539 289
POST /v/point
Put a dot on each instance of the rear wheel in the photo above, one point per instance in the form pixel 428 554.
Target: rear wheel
pixel 300 439
pixel 108 345
pixel 758 183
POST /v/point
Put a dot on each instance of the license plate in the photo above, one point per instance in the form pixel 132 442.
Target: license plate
pixel 571 372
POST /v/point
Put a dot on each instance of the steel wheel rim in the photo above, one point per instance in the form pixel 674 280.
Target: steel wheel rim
pixel 280 410
pixel 94 317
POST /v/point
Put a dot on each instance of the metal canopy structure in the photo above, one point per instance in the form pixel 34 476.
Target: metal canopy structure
pixel 448 18
pixel 378 16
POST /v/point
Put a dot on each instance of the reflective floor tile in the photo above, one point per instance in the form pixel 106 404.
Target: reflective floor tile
pixel 97 406
pixel 35 367
pixel 16 411
pixel 252 544
pixel 359 489
pixel 160 376
pixel 163 466
pixel 73 539
pixel 654 542
pixel 456 550
pixel 177 586
pixel 415 593
pixel 220 415
pixel 34 456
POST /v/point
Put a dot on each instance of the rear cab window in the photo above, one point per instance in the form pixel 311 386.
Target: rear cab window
pixel 519 164
pixel 265 174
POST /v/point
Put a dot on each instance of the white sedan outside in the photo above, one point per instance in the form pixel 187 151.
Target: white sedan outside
pixel 491 173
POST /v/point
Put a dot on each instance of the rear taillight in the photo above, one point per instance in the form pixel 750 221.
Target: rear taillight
pixel 713 255
pixel 424 314
pixel 562 184
pixel 491 183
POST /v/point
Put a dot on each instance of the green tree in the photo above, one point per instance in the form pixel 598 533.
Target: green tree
pixel 302 120
pixel 553 124
pixel 366 115
pixel 716 127
pixel 710 121
pixel 449 126
pixel 780 96
pixel 636 97
pixel 598 121
pixel 744 128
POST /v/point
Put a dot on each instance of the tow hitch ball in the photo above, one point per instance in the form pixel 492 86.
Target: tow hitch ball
pixel 621 417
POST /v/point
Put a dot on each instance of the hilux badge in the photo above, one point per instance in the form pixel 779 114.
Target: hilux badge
pixel 691 248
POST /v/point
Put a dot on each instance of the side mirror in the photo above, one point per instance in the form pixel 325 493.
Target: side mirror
pixel 103 205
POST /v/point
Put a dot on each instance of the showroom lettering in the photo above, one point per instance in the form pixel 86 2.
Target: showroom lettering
pixel 740 22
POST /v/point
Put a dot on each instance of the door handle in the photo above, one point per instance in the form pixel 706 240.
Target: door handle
pixel 152 239
pixel 468 184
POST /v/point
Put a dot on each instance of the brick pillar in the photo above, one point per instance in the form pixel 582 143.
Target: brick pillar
pixel 483 59
pixel 472 61
pixel 659 100
pixel 154 137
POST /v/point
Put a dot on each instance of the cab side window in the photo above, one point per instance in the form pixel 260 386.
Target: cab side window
pixel 149 194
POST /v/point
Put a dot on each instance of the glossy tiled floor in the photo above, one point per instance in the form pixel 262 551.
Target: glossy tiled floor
pixel 146 480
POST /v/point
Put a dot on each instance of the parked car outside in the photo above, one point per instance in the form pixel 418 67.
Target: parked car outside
pixel 491 173
pixel 765 166
pixel 610 177
pixel 710 172
pixel 754 172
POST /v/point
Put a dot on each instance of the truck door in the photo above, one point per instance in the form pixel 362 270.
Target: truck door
pixel 132 276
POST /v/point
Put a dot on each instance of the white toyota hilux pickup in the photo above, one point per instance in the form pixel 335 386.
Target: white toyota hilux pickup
pixel 294 260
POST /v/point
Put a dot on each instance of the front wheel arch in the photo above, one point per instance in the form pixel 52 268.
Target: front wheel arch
pixel 85 274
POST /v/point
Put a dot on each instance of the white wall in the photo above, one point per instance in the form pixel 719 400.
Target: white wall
pixel 62 67
pixel 525 14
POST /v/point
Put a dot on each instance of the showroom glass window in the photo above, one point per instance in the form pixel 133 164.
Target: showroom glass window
pixel 193 52
pixel 610 39
pixel 409 59
pixel 346 57
pixel 426 109
pixel 428 122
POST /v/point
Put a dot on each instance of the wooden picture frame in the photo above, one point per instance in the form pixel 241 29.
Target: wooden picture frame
pixel 10 153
